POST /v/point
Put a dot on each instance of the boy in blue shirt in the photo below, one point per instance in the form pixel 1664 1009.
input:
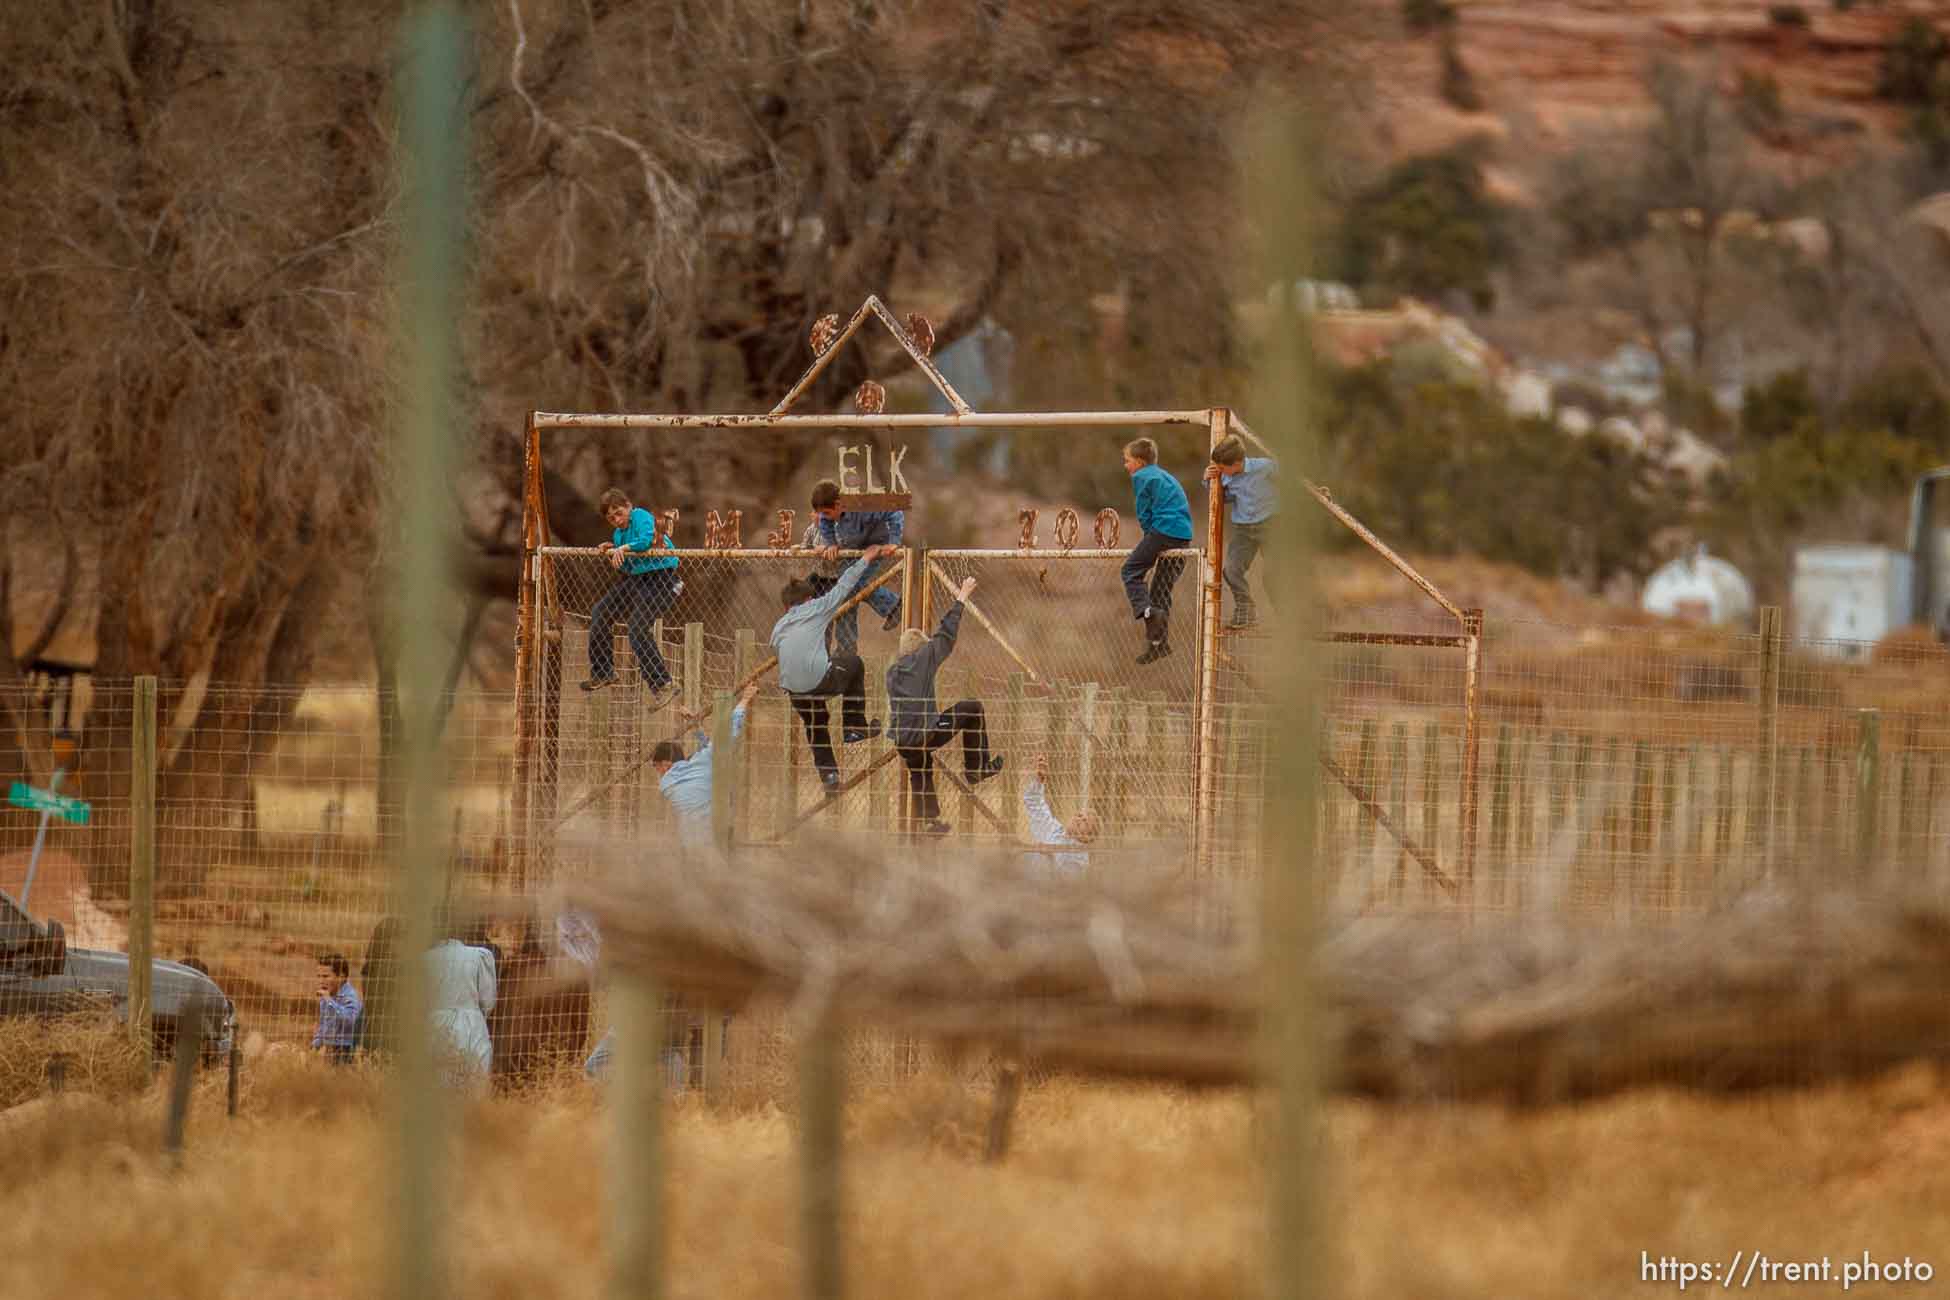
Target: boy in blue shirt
pixel 1253 499
pixel 686 782
pixel 646 587
pixel 855 530
pixel 1166 518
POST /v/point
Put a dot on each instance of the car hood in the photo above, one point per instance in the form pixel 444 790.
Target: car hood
pixel 170 983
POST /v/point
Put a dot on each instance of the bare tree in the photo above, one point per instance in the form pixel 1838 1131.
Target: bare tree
pixel 194 237
pixel 668 193
pixel 1669 209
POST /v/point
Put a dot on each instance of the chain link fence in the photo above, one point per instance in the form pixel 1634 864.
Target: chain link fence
pixel 1624 772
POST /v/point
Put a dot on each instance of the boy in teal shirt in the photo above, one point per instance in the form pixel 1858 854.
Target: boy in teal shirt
pixel 1166 518
pixel 646 587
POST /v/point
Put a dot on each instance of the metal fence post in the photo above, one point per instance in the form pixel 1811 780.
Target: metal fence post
pixel 1868 787
pixel 1204 814
pixel 1472 748
pixel 142 861
pixel 1767 773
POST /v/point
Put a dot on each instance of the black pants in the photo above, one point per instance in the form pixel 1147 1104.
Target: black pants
pixel 846 678
pixel 965 717
pixel 1143 559
pixel 638 600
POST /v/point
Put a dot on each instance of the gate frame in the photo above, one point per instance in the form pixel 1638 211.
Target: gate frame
pixel 1218 421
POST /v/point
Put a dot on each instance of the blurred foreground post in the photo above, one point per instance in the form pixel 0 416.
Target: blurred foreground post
pixel 821 1105
pixel 142 860
pixel 190 1019
pixel 724 801
pixel 431 134
pixel 1868 788
pixel 1280 208
pixel 636 1156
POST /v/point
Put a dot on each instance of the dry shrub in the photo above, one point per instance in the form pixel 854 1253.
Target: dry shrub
pixel 99 1057
pixel 1108 1192
pixel 288 1084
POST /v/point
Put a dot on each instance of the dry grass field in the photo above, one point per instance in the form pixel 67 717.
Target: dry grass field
pixel 1112 1192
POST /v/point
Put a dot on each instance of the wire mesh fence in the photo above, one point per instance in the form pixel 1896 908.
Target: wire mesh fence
pixel 1623 773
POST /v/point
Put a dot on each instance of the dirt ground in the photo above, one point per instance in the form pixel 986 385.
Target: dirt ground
pixel 61 893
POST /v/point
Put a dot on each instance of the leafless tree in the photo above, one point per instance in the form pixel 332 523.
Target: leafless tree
pixel 190 264
pixel 667 193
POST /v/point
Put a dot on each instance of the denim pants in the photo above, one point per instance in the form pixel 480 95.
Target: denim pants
pixel 1244 542
pixel 637 600
pixel 846 628
pixel 1144 559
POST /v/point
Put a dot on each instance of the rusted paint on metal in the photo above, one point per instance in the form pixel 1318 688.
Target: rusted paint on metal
pixel 780 538
pixel 666 527
pixel 527 649
pixel 870 398
pixel 921 330
pixel 919 355
pixel 1067 528
pixel 1205 761
pixel 1432 640
pixel 1049 553
pixel 1026 517
pixel 702 553
pixel 822 332
pixel 1365 798
pixel 722 534
pixel 1109 525
pixel 919 420
pixel 1472 746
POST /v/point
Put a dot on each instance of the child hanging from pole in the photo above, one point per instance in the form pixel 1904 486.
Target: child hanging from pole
pixel 1166 518
pixel 810 676
pixel 1044 827
pixel 686 782
pixel 918 730
pixel 1252 499
pixel 646 586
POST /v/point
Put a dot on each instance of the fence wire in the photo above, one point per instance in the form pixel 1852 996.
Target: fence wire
pixel 1622 773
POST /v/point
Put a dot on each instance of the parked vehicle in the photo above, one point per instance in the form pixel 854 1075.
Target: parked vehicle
pixel 41 976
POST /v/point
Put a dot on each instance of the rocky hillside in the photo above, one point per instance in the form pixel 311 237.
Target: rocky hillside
pixel 1547 69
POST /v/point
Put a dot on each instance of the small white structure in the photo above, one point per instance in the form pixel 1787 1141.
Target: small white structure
pixel 1699 588
pixel 1527 394
pixel 1846 598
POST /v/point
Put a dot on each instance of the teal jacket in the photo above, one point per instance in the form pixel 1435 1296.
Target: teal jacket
pixel 641 535
pixel 1161 504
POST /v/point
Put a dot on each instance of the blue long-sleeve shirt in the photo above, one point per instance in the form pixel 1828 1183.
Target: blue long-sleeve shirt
pixel 337 1015
pixel 1252 493
pixel 1044 828
pixel 799 637
pixel 687 785
pixel 1161 504
pixel 641 535
pixel 855 530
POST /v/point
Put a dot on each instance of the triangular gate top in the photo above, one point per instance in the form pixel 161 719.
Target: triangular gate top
pixel 828 338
